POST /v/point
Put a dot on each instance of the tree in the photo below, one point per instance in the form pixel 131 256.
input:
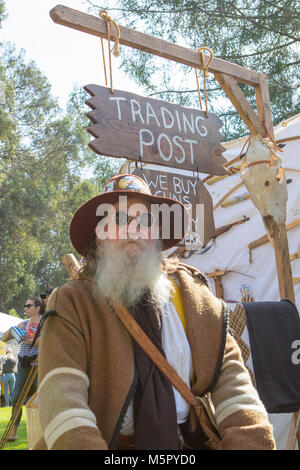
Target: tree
pixel 43 153
pixel 259 34
pixel 2 11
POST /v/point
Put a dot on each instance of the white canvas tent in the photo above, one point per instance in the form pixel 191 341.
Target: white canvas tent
pixel 230 251
pixel 6 322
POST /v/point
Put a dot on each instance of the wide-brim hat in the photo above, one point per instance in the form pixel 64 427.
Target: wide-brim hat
pixel 85 219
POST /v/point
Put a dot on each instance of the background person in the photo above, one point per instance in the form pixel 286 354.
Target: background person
pixel 8 376
pixel 45 296
pixel 34 308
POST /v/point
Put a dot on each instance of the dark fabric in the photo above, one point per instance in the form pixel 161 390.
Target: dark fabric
pixel 21 379
pixel 27 361
pixel 273 329
pixel 47 314
pixel 8 366
pixel 155 420
pixel 193 439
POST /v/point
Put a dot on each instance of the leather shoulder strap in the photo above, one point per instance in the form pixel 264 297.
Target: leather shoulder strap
pixel 155 355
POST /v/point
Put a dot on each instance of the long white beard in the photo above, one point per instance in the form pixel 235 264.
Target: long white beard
pixel 126 278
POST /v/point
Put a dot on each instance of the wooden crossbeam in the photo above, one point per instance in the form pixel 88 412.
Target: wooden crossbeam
pixel 129 37
pixel 226 73
pixel 263 103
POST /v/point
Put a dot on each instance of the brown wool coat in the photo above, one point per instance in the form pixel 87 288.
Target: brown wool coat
pixel 86 335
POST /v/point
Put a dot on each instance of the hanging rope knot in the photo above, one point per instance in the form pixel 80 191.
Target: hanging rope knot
pixel 205 67
pixel 211 54
pixel 103 14
pixel 232 170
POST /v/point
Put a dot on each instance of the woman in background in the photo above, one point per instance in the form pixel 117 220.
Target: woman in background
pixel 34 308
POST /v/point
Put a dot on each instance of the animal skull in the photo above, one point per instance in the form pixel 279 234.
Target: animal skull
pixel 263 175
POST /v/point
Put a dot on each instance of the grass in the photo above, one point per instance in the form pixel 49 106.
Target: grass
pixel 21 443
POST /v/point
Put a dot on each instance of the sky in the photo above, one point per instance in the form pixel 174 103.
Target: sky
pixel 65 56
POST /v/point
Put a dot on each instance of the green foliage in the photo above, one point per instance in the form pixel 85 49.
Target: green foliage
pixel 21 443
pixel 258 34
pixel 43 158
pixel 2 11
pixel 13 312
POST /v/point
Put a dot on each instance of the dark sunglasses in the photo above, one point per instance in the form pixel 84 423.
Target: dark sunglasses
pixel 146 219
pixel 29 305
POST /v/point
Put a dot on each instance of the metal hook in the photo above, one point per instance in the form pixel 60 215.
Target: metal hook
pixel 197 174
pixel 141 163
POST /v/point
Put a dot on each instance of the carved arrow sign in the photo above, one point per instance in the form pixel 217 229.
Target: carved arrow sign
pixel 154 131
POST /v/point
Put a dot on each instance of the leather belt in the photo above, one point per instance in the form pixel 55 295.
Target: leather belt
pixel 127 443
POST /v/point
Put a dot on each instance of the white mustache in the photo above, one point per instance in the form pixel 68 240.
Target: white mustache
pixel 133 277
pixel 139 241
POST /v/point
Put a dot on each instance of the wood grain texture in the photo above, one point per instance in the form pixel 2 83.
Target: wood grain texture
pixel 96 26
pixel 189 191
pixel 238 99
pixel 154 131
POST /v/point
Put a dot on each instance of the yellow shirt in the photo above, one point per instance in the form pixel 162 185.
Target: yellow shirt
pixel 176 299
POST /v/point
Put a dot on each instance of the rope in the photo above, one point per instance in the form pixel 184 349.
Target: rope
pixel 103 14
pixel 233 170
pixel 22 397
pixel 271 138
pixel 198 89
pixel 241 152
pixel 205 75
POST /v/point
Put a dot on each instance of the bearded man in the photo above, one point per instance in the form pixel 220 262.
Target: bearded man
pixel 98 389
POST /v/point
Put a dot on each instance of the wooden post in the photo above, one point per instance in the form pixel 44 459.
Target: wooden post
pixel 71 264
pixel 217 277
pixel 283 265
pixel 261 172
pixel 240 102
pixel 263 103
pixel 265 239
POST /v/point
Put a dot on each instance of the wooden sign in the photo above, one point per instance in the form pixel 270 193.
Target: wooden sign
pixel 192 193
pixel 154 131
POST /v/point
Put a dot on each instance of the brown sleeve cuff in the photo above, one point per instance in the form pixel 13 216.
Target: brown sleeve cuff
pixel 246 430
pixel 83 438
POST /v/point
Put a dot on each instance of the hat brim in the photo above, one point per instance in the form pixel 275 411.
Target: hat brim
pixel 85 219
